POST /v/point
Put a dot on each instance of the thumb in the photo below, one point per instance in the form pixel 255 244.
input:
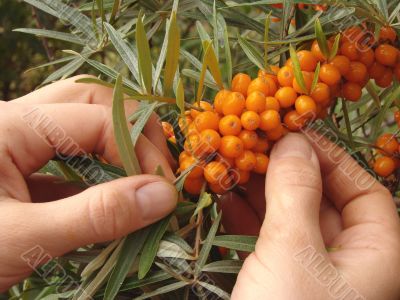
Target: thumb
pixel 101 213
pixel 293 194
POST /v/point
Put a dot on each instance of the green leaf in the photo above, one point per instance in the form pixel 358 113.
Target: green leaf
pixel 150 248
pixel 144 55
pixel 172 56
pixel 374 95
pixel 202 32
pixel 205 200
pixel 121 131
pixel 180 97
pixel 266 39
pixel 297 70
pixel 321 38
pixel 206 247
pixel 62 36
pixel 224 266
pixel 142 121
pixel 236 242
pixel 316 77
pixel 216 290
pixel 348 124
pixel 227 48
pixel 115 9
pixel 66 70
pixel 251 52
pixel 335 47
pixel 211 61
pixel 163 290
pixel 130 249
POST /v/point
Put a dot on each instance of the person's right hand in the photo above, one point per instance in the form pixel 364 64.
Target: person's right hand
pixel 317 197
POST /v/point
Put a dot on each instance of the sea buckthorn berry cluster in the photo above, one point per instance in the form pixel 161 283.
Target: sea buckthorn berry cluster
pixel 387 150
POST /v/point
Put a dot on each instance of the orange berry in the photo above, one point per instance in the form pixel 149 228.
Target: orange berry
pixel 250 120
pixel 231 146
pixel 329 74
pixel 316 51
pixel 264 85
pixel 306 107
pixel 384 166
pixel 386 55
pixel 387 33
pixel 321 93
pixel 187 163
pixel 286 76
pixel 220 99
pixel 350 50
pixel 249 139
pixel 275 134
pixel 358 72
pixel 352 34
pixel 183 155
pixel 240 177
pixel 294 121
pixel 286 96
pixel 397 116
pixel 194 145
pixel 386 80
pixel 270 119
pixel 342 63
pixel 261 146
pixel 240 83
pixel 184 122
pixel 204 105
pixel 262 162
pixel 388 143
pixel 367 57
pixel 255 102
pixel 228 162
pixel 246 161
pixel 215 172
pixel 307 60
pixel 211 140
pixel 194 185
pixel 230 125
pixel 308 80
pixel 192 129
pixel 222 187
pixel 351 91
pixel 234 104
pixel 272 103
pixel 335 90
pixel 274 69
pixel 207 120
pixel 377 70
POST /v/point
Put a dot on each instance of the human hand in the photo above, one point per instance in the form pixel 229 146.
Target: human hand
pixel 352 214
pixel 68 118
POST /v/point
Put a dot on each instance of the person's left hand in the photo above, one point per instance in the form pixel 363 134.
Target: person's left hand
pixel 71 119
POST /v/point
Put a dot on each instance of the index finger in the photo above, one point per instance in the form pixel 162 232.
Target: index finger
pixel 354 191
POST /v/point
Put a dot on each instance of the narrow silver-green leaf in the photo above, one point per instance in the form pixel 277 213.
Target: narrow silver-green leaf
pixel 236 242
pixel 321 39
pixel 141 122
pixel 215 290
pixel 172 56
pixel 163 290
pixel 316 77
pixel 251 52
pixel 335 48
pixel 297 70
pixel 62 36
pixel 227 50
pixel 224 266
pixel 144 56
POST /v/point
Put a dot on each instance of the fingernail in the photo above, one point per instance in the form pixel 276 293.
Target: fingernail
pixel 155 200
pixel 293 145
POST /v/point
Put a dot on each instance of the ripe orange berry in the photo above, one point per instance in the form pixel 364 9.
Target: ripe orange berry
pixel 358 72
pixel 274 69
pixel 342 63
pixel 329 74
pixel 220 99
pixel 294 121
pixel 336 90
pixel 183 155
pixel 222 187
pixel 286 76
pixel 246 161
pixel 377 70
pixel 286 96
pixel 249 139
pixel 194 145
pixel 384 166
pixel 262 162
pixel 321 93
pixel 230 125
pixel 234 104
pixel 215 172
pixel 240 83
pixel 270 119
pixel 184 122
pixel 367 57
pixel 386 55
pixel 228 162
pixel 387 33
pixel 306 107
pixel 351 91
pixel 386 80
pixel 187 163
pixel 194 185
pixel 264 85
pixel 308 80
pixel 255 102
pixel 207 120
pixel 211 140
pixel 316 51
pixel 240 177
pixel 350 50
pixel 388 143
pixel 276 134
pixel 250 120
pixel 261 146
pixel 307 60
pixel 397 116
pixel 272 103
pixel 204 105
pixel 231 146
